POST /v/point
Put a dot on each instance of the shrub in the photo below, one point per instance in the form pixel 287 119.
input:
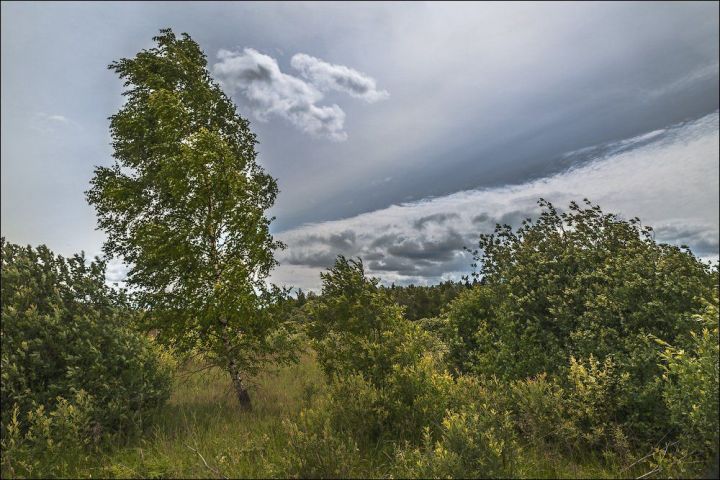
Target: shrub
pixel 541 410
pixel 691 385
pixel 64 331
pixel 581 283
pixel 593 404
pixel 48 443
pixel 317 450
pixel 357 328
pixel 475 443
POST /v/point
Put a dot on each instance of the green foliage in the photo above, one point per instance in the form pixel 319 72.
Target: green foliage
pixel 184 205
pixel 316 448
pixel 474 443
pixel 49 443
pixel 64 333
pixel 578 284
pixel 356 328
pixel 421 301
pixel 691 385
pixel 540 412
pixel 594 402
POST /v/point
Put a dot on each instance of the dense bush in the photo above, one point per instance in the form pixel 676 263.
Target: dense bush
pixel 388 385
pixel 691 385
pixel 51 443
pixel 477 442
pixel 357 328
pixel 66 335
pixel 581 284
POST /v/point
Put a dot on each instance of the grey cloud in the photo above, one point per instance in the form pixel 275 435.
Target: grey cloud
pixel 514 218
pixel 269 91
pixel 435 249
pixel 322 250
pixel 322 259
pixel 670 183
pixel 327 76
pixel 482 218
pixel 702 239
pixel 408 254
pixel 434 218
pixel 340 241
pixel 420 268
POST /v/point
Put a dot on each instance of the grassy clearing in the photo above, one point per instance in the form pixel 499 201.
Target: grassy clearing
pixel 203 421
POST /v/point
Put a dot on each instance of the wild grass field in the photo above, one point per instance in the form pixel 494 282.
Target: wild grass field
pixel 201 433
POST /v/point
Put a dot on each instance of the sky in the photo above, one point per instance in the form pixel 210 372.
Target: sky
pixel 398 132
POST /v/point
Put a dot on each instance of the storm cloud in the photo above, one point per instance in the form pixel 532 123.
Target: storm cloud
pixel 434 218
pixel 668 179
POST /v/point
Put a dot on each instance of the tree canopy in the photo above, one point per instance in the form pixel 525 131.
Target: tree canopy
pixel 184 205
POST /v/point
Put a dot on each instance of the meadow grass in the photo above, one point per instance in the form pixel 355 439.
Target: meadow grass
pixel 202 433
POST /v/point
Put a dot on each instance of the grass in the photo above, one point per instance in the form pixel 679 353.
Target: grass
pixel 202 433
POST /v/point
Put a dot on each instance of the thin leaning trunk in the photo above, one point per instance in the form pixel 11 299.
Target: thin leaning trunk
pixel 240 391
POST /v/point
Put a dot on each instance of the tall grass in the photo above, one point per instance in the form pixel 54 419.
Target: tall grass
pixel 204 434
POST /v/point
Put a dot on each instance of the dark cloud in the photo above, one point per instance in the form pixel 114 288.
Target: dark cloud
pixel 434 218
pixel 435 249
pixel 405 255
pixel 323 259
pixel 482 218
pixel 343 241
pixel 702 239
pixel 427 270
pixel 513 218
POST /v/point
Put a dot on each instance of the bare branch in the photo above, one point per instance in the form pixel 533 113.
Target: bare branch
pixel 215 471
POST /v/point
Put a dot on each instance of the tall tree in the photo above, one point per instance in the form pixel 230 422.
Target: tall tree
pixel 184 205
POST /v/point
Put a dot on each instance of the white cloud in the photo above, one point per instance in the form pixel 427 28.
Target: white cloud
pixel 269 91
pixel 328 76
pixel 669 179
pixel 52 123
pixel 272 92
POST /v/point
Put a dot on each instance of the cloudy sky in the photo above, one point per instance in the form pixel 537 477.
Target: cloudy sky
pixel 397 131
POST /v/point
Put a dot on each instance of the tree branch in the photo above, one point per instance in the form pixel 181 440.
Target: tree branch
pixel 215 471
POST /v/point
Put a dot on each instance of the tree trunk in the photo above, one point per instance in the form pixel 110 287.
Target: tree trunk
pixel 240 390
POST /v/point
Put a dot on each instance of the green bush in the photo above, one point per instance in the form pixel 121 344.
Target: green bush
pixel 364 342
pixel 477 442
pixel 49 443
pixel 593 404
pixel 579 284
pixel 540 411
pixel 356 327
pixel 387 383
pixel 65 332
pixel 691 385
pixel 317 450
